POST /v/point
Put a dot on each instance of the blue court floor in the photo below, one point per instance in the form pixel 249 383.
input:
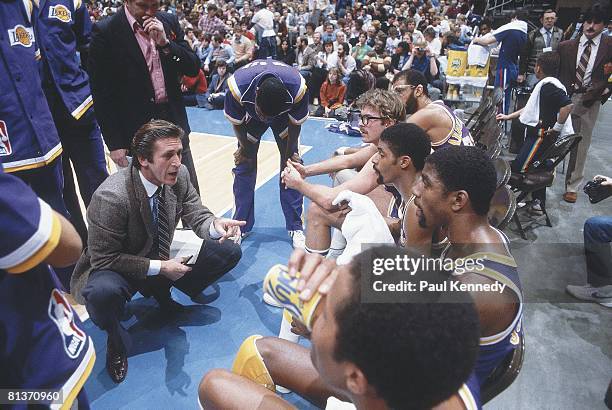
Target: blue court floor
pixel 171 354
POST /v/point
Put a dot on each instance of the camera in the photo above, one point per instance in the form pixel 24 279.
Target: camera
pixel 596 191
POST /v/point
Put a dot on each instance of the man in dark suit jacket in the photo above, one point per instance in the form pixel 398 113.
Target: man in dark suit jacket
pixel 588 86
pixel 132 217
pixel 136 60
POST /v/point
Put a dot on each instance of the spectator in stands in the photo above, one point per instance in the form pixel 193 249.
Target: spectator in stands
pixel 286 54
pixel 329 34
pixel 411 28
pixel 597 238
pixel 325 60
pixel 400 57
pixel 214 97
pixel 310 32
pixel 305 57
pixel 393 40
pixel 465 31
pixel 341 39
pixel 192 38
pixel 194 89
pixel 345 62
pixel 316 44
pixel 433 42
pixel 546 38
pixel 423 61
pixel 242 48
pixel 209 23
pixel 219 51
pixel 203 50
pixel 332 94
pixel 484 27
pixel 263 21
pixel 371 36
pixel 361 49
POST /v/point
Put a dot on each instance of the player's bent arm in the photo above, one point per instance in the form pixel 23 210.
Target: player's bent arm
pixel 354 160
pixel 69 247
pixel 363 183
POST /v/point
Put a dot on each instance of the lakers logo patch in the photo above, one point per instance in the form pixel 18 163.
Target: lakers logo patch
pixel 5 142
pixel 21 36
pixel 62 314
pixel 61 13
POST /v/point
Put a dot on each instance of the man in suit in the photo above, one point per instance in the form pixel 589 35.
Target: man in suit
pixel 582 74
pixel 132 217
pixel 137 58
pixel 545 38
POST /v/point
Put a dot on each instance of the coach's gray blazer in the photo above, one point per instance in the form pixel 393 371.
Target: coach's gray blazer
pixel 121 226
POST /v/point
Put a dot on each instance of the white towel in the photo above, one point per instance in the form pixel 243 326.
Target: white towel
pixel 531 113
pixel 513 25
pixel 478 55
pixel 364 224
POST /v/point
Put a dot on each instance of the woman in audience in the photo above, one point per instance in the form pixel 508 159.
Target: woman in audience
pixel 286 54
pixel 332 94
pixel 326 59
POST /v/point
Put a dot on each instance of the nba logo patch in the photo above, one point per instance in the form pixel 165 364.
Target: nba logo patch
pixel 62 314
pixel 61 13
pixel 5 142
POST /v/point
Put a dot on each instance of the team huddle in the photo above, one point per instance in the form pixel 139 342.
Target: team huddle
pixel 417 184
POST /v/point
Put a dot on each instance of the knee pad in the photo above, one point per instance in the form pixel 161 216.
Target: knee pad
pixel 249 363
pixel 283 288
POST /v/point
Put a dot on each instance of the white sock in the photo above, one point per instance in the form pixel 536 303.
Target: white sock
pixel 338 243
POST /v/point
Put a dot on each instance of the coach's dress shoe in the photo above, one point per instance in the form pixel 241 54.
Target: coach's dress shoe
pixel 116 363
pixel 570 197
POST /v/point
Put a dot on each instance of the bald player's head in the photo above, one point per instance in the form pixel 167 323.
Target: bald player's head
pixel 272 97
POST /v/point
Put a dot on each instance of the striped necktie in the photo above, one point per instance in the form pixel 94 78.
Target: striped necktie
pixel 548 36
pixel 582 64
pixel 163 230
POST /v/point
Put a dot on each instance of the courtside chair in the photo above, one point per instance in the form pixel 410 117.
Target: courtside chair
pixel 540 175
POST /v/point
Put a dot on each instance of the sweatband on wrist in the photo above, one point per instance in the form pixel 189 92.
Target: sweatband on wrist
pixel 558 127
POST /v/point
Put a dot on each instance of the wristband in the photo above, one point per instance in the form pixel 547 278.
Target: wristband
pixel 558 127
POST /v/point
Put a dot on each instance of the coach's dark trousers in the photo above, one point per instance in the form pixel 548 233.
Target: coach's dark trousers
pixel 107 292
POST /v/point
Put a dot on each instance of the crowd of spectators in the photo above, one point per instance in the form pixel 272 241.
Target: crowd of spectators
pixel 379 38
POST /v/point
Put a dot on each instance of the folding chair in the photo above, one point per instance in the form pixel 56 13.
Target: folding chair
pixel 504 374
pixel 502 169
pixel 541 174
pixel 502 208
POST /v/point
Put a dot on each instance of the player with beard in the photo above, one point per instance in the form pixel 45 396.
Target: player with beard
pixel 455 190
pixel 439 121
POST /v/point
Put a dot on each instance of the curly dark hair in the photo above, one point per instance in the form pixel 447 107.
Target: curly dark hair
pixel 415 355
pixel 468 169
pixel 408 139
